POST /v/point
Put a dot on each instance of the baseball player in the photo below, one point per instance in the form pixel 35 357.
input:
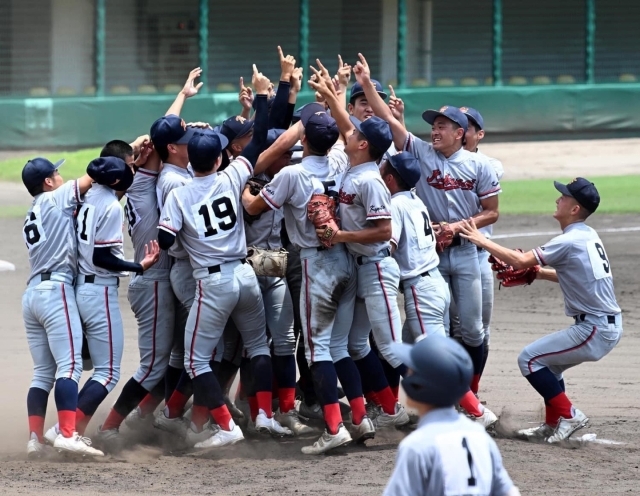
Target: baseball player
pixel 580 265
pixel 204 214
pixel 365 211
pixel 455 185
pixel 359 105
pixel 49 309
pixel 328 275
pixel 447 454
pixel 426 294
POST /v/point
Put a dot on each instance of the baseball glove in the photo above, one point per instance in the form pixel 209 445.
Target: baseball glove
pixel 272 263
pixel 510 276
pixel 255 185
pixel 444 235
pixel 322 212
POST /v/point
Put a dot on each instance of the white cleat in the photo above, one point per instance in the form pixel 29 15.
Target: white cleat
pixel 327 442
pixel 135 421
pixel 51 435
pixel 566 427
pixel 291 419
pixel 270 426
pixel 76 445
pixel 109 440
pixel 310 411
pixel 373 410
pixel 398 419
pixel 540 433
pixel 194 437
pixel 488 419
pixel 177 426
pixel 36 449
pixel 221 438
pixel 363 431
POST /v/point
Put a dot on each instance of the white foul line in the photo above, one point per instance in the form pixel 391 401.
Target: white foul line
pixel 555 233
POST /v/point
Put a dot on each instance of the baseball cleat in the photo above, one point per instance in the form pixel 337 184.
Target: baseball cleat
pixel 36 449
pixel 540 433
pixel 311 411
pixel 488 419
pixel 76 445
pixel 398 419
pixel 271 426
pixel 373 410
pixel 135 421
pixel 327 442
pixel 566 427
pixel 109 440
pixel 194 437
pixel 221 438
pixel 51 435
pixel 177 426
pixel 363 431
pixel 235 412
pixel 291 419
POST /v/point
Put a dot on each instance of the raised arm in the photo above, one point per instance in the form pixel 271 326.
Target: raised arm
pixel 190 89
pixel 245 97
pixel 278 113
pixel 256 145
pixel 328 91
pixel 284 143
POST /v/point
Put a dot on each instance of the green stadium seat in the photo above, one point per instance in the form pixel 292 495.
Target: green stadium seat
pixel 542 80
pixel 445 82
pixel 518 81
pixel 120 89
pixel 419 83
pixel 226 88
pixel 148 89
pixel 566 79
pixel 627 78
pixel 39 91
pixel 171 88
pixel 66 91
pixel 90 90
pixel 469 81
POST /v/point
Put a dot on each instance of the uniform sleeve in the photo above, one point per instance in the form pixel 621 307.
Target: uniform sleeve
pixel 415 145
pixel 409 478
pixel 554 252
pixel 501 482
pixel 171 215
pixel 144 181
pixel 396 224
pixel 497 167
pixel 488 183
pixel 338 161
pixel 280 190
pixel 239 172
pixel 376 199
pixel 67 197
pixel 109 227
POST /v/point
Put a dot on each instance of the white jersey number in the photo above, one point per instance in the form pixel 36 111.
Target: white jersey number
pixel 598 259
pixel 84 222
pixel 216 217
pixel 422 225
pixel 33 232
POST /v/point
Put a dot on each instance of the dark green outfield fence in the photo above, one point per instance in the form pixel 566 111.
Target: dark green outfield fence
pixel 100 68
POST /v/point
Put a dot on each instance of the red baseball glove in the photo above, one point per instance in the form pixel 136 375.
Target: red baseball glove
pixel 509 276
pixel 321 210
pixel 444 235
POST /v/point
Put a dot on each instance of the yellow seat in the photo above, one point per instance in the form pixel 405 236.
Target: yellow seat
pixel 469 81
pixel 420 83
pixel 627 78
pixel 171 88
pixel 517 80
pixel 445 82
pixel 488 81
pixel 226 87
pixel 147 89
pixel 90 90
pixel 65 91
pixel 39 91
pixel 565 79
pixel 120 89
pixel 541 80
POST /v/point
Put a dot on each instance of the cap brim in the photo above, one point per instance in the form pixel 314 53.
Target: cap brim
pixel 430 116
pixel 308 110
pixel 187 136
pixel 402 352
pixel 224 141
pixel 562 189
pixel 59 163
pixel 382 94
pixel 248 126
pixel 357 123
pixel 473 121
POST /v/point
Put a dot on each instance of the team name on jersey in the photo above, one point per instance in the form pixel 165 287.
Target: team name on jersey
pixel 346 198
pixel 447 183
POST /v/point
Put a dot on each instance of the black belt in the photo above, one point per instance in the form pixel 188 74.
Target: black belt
pixel 45 276
pixel 214 269
pixel 424 274
pixel 457 241
pixel 91 279
pixel 360 258
pixel 611 319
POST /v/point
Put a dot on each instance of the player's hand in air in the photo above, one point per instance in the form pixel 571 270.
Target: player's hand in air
pixel 245 96
pixel 287 65
pixel 396 105
pixel 260 82
pixel 190 88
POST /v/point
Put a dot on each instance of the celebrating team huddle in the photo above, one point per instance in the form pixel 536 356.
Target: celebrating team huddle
pixel 284 238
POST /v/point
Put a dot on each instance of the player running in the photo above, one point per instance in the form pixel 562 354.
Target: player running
pixel 580 265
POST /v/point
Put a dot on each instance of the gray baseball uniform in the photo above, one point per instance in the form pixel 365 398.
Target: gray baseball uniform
pixel 204 216
pixel 449 455
pixel 150 294
pixel 586 281
pixel 49 310
pixel 99 223
pixel 426 294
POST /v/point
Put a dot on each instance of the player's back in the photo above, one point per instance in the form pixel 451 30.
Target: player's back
pixel 49 231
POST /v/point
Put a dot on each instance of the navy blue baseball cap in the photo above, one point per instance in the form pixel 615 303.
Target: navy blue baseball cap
pixel 320 129
pixel 583 191
pixel 206 146
pixel 452 113
pixel 474 116
pixel 407 166
pixel 441 370
pixel 36 170
pixel 107 170
pixel 376 130
pixel 236 127
pixel 298 113
pixel 356 90
pixel 170 130
pixel 274 134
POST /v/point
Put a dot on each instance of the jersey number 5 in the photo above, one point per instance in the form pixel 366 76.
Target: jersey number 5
pixel 220 209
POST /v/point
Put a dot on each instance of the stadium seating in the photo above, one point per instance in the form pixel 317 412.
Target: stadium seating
pixel 627 78
pixel 66 91
pixel 120 89
pixel 541 80
pixel 39 91
pixel 171 88
pixel 226 88
pixel 518 81
pixel 420 83
pixel 469 81
pixel 445 82
pixel 566 79
pixel 147 89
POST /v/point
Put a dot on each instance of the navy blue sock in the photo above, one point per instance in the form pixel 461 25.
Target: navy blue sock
pixel 261 372
pixel 226 373
pixel 207 391
pixel 325 381
pixel 349 376
pixel 184 384
pixel 93 393
pixel 171 378
pixel 215 367
pixel 545 383
pixel 284 368
pixel 66 394
pixel 131 395
pixel 372 373
pixel 393 374
pixel 37 400
pixel 477 356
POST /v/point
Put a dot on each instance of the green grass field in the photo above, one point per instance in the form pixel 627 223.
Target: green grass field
pixel 537 196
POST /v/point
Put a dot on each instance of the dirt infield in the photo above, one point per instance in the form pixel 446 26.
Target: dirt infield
pixel 607 391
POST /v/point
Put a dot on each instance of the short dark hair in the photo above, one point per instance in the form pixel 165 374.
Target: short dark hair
pixel 36 190
pixel 387 168
pixel 474 126
pixel 457 126
pixel 375 153
pixel 163 152
pixel 205 165
pixel 583 213
pixel 117 148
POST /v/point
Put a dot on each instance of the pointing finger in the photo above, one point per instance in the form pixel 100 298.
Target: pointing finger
pixel 241 82
pixel 280 53
pixel 393 93
pixel 340 63
pixel 255 69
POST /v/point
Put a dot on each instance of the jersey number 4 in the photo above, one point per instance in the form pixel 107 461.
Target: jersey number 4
pixel 217 215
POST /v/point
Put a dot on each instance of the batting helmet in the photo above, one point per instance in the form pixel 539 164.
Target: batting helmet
pixel 441 370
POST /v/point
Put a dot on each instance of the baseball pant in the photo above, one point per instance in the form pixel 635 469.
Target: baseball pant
pixel 585 341
pixel 152 302
pixel 233 292
pixel 184 289
pixel 278 311
pixel 54 330
pixel 100 314
pixel 376 308
pixel 426 304
pixel 327 299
